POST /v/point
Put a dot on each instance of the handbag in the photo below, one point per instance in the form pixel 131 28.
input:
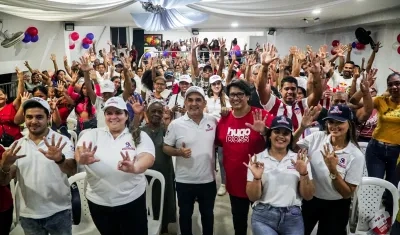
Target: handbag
pixel 76 204
pixel 6 140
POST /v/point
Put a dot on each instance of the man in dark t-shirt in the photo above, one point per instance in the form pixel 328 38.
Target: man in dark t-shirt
pixel 204 51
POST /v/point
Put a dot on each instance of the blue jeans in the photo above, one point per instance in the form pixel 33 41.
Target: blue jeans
pixel 58 224
pixel 221 165
pixel 269 220
pixel 395 228
pixel 381 159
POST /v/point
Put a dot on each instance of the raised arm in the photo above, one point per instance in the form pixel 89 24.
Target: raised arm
pixel 86 68
pixel 20 89
pixel 53 58
pixel 195 65
pixel 372 57
pixel 262 83
pixel 67 67
pixel 221 56
pixel 316 70
pixel 128 91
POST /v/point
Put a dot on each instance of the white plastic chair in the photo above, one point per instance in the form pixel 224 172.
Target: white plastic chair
pixel 154 225
pixel 72 122
pixel 86 226
pixel 74 137
pixel 82 132
pixel 16 228
pixel 368 200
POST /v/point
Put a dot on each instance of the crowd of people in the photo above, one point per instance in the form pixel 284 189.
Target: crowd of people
pixel 285 133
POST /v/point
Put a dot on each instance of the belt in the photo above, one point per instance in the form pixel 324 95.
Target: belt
pixel 387 144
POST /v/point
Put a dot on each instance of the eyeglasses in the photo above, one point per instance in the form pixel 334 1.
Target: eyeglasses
pixel 216 83
pixel 239 95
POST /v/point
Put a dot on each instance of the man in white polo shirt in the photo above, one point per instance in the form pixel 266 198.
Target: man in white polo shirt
pixel 107 91
pixel 177 102
pixel 191 139
pixel 41 162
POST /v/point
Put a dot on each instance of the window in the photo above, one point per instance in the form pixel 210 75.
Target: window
pixel 119 36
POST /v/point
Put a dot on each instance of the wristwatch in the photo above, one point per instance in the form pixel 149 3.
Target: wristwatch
pixel 62 160
pixel 332 176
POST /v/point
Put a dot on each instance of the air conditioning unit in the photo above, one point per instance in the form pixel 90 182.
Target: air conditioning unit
pixel 10 40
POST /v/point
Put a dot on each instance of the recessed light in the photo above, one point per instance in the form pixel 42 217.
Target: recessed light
pixel 316 11
pixel 234 25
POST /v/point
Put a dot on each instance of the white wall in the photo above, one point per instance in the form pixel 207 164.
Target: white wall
pixel 51 40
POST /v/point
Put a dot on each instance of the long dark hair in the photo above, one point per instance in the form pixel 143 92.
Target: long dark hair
pixel 82 99
pixel 351 135
pixel 268 141
pixel 222 96
pixel 134 130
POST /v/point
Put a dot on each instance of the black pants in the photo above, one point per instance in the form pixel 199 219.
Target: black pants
pixel 332 216
pixel 205 194
pixel 240 212
pixel 6 218
pixel 128 219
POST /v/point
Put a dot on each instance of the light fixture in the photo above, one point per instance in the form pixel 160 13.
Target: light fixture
pixel 316 20
pixel 271 31
pixel 316 11
pixel 195 31
pixel 69 26
pixel 234 25
pixel 305 20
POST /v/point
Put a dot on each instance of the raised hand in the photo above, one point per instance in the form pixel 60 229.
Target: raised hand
pixel 25 96
pixel 20 75
pixel 377 46
pixel 194 43
pixel 268 55
pixel 86 154
pixel 293 50
pixel 53 57
pixel 9 157
pixel 364 86
pixel 301 162
pixel 126 62
pixel 256 168
pixel 137 107
pixel 53 103
pixel 54 151
pixel 371 76
pixel 85 66
pixel 258 121
pixel 315 64
pixel 330 158
pixel 185 152
pixel 323 51
pixel 309 116
pixel 356 73
pixel 60 86
pixel 127 165
pixel 74 76
pixel 65 58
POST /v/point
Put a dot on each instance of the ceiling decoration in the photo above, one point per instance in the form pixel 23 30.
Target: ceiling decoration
pixel 165 14
pixel 61 10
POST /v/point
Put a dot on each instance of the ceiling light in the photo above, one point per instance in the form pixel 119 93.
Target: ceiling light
pixel 271 31
pixel 316 11
pixel 316 20
pixel 305 20
pixel 234 25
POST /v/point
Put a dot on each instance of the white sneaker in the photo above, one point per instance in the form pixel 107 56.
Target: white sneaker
pixel 221 190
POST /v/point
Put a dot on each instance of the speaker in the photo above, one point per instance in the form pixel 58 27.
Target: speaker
pixel 138 41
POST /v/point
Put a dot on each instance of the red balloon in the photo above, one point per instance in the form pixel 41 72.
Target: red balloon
pixel 360 46
pixel 333 52
pixel 72 46
pixel 74 36
pixel 33 31
pixel 398 38
pixel 398 50
pixel 335 43
pixel 86 41
pixel 90 41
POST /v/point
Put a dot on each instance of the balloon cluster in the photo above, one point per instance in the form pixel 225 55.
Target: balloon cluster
pixel 86 42
pixel 396 45
pixel 73 37
pixel 335 43
pixel 31 35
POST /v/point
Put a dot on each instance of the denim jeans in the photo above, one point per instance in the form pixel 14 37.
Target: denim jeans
pixel 221 165
pixel 381 159
pixel 269 220
pixel 58 224
pixel 205 194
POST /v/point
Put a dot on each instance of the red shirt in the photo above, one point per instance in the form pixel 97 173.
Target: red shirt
pixel 7 115
pixel 6 200
pixel 238 141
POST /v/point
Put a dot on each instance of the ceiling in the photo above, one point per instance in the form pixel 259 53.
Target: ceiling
pixel 269 13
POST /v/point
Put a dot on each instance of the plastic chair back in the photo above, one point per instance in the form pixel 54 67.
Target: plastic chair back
pixel 154 225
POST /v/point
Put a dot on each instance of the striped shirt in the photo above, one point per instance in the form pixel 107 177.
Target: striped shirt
pixel 276 107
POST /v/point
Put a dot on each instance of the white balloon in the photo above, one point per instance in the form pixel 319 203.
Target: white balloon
pixel 27 45
pixel 395 46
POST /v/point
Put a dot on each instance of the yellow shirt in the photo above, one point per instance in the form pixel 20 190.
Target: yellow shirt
pixel 388 127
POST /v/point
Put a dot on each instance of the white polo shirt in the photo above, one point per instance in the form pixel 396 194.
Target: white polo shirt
pixel 177 99
pixel 350 166
pixel 101 119
pixel 214 106
pixel 280 180
pixel 199 168
pixel 106 185
pixel 43 188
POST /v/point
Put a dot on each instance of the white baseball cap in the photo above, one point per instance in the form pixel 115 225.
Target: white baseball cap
pixel 185 78
pixel 215 78
pixel 38 100
pixel 196 89
pixel 107 86
pixel 116 102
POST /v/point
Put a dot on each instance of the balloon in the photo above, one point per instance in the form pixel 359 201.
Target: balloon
pixel 360 46
pixel 238 53
pixel 165 53
pixel 398 50
pixel 35 38
pixel 353 45
pixel 27 38
pixel 71 47
pixel 86 46
pixel 90 36
pixel 398 38
pixel 90 42
pixel 335 43
pixel 33 31
pixel 333 52
pixel 147 55
pixel 395 45
pixel 74 36
pixel 86 41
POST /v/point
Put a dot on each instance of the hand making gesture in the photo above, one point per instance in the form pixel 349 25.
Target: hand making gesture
pixel 85 154
pixel 54 151
pixel 301 162
pixel 127 165
pixel 330 158
pixel 256 168
pixel 10 156
pixel 258 121
pixel 185 152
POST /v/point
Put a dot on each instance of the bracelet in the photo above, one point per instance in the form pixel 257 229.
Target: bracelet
pixel 304 174
pixel 257 178
pixel 5 172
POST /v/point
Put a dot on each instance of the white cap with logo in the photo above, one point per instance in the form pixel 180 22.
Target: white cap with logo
pixel 196 89
pixel 215 78
pixel 38 100
pixel 185 78
pixel 107 86
pixel 116 102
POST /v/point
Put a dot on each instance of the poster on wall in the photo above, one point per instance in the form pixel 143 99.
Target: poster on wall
pixel 152 42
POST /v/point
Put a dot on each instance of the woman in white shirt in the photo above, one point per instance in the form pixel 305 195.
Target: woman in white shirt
pixel 337 165
pixel 217 102
pixel 115 169
pixel 277 180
